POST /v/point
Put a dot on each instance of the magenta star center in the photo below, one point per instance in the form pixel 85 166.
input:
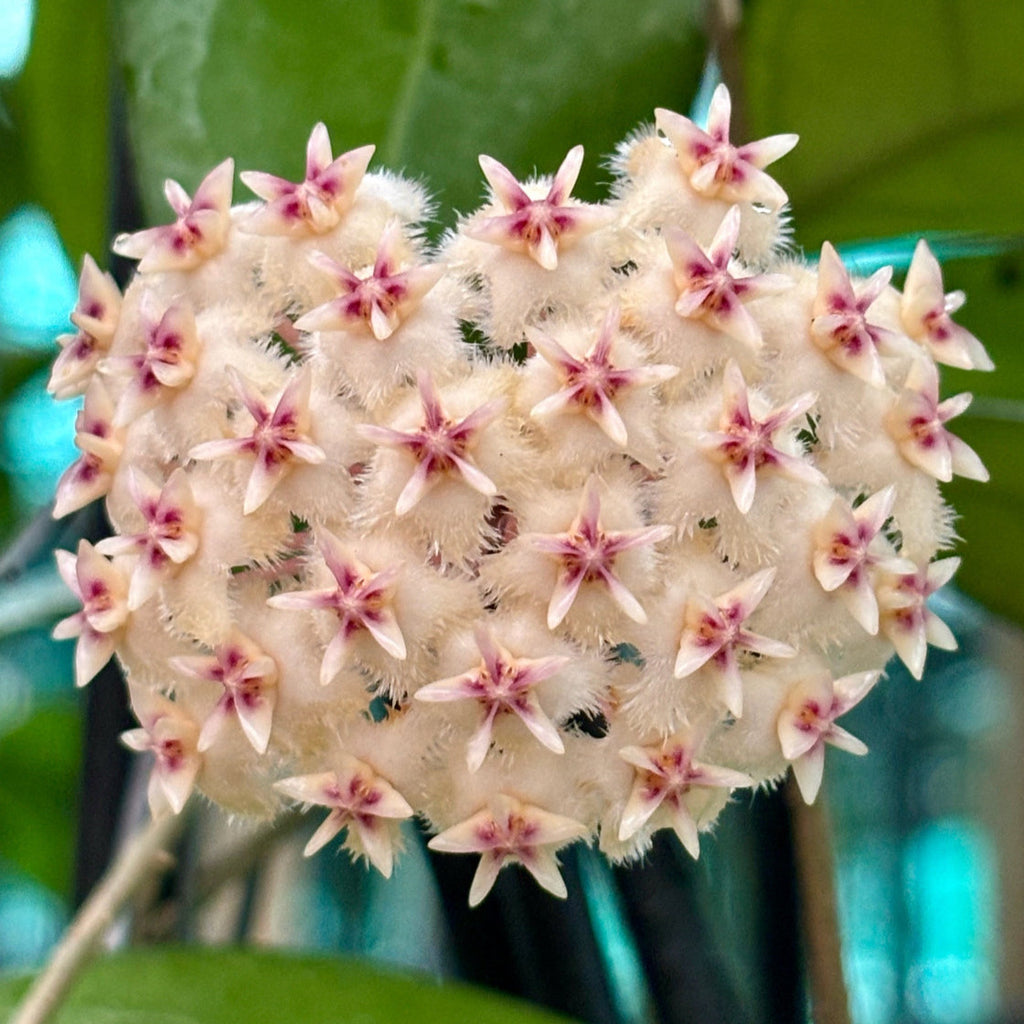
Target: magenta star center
pixel 512 837
pixel 747 439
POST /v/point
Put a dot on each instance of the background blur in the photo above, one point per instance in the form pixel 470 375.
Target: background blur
pixel 911 120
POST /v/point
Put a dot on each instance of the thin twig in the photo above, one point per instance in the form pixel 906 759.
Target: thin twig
pixel 819 918
pixel 142 856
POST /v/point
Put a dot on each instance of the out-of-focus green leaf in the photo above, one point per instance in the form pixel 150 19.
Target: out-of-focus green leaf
pixel 56 146
pixel 38 792
pixel 911 120
pixel 13 188
pixel 16 368
pixel 204 986
pixel 432 83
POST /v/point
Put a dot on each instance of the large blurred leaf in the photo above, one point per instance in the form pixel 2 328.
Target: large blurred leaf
pixel 432 82
pixel 54 139
pixel 204 986
pixel 912 120
pixel 38 783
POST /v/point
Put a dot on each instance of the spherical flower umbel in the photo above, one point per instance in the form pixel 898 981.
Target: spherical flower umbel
pixel 391 519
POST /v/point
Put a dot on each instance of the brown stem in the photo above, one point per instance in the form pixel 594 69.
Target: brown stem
pixel 815 866
pixel 142 856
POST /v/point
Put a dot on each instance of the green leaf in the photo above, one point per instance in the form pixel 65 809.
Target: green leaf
pixel 433 83
pixel 13 187
pixel 205 986
pixel 912 121
pixel 38 794
pixel 56 147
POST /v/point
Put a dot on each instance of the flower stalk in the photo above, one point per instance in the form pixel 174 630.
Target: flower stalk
pixel 143 856
pixel 819 912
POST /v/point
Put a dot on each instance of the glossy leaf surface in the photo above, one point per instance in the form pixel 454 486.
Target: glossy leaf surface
pixel 207 986
pixel 432 84
pixel 54 131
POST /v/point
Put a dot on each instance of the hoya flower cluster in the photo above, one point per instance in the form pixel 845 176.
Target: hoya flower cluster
pixel 563 529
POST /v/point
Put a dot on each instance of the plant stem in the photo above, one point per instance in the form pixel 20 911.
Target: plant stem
pixel 812 843
pixel 142 856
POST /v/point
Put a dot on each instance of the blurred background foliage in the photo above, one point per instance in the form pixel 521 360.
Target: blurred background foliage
pixel 911 120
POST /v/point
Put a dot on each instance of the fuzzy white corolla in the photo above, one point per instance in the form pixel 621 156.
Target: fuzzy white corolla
pixel 567 528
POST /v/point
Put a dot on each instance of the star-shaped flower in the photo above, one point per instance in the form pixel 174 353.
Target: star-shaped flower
pixel 279 439
pixel 380 300
pixel 590 383
pixel 713 632
pixel 439 446
pixel 744 443
pixel 848 546
pixel 169 538
pixel 249 680
pixel 171 736
pixel 316 204
pixel 839 323
pixel 201 230
pixel 361 600
pixel 708 292
pixel 807 722
pixel 168 362
pixel 664 784
pixel 925 314
pixel 96 316
pixel 537 227
pixel 718 169
pixel 509 831
pixel 502 683
pixel 917 423
pixel 905 617
pixel 103 591
pixel 361 801
pixel 587 552
pixel 101 443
